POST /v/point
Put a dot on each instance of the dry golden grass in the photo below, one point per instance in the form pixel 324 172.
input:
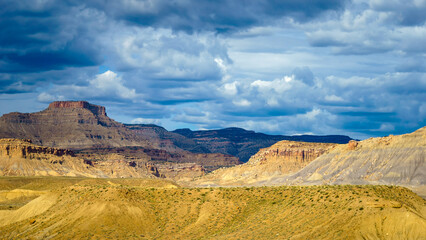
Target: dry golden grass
pixel 158 209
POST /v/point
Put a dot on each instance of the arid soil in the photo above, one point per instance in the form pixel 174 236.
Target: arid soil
pixel 73 208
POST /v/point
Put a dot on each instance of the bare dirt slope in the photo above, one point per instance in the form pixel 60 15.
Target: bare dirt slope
pixel 281 159
pixel 155 209
pixel 387 160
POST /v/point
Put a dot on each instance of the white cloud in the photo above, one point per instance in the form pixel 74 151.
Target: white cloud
pixel 229 89
pixel 242 103
pixel 386 127
pixel 397 26
pixel 109 83
pixel 146 121
pixel 46 97
pixel 333 98
pixel 164 54
pixel 276 86
pixel 221 64
pixel 312 114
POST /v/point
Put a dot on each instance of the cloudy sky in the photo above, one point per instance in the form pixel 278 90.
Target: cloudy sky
pixel 283 67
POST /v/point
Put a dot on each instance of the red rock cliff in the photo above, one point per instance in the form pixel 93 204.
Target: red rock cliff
pixel 95 109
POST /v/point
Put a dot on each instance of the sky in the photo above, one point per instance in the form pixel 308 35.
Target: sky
pixel 356 68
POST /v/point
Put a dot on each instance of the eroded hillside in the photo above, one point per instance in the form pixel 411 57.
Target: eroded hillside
pixel 147 209
pixel 22 158
pixel 386 160
pixel 281 159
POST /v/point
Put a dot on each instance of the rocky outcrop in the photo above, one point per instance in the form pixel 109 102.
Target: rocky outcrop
pixel 24 149
pixel 384 160
pixel 281 159
pixel 180 171
pixel 244 143
pixel 209 161
pixel 168 141
pixel 22 158
pixel 95 109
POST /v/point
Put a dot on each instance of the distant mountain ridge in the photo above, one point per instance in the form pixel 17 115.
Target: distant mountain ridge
pixel 81 126
pixel 245 143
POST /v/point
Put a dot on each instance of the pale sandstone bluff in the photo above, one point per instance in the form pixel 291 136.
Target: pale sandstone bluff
pixel 385 160
pixel 22 158
pixel 281 159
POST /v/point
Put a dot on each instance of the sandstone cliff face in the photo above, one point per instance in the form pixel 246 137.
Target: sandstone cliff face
pixel 180 171
pixel 24 149
pixel 281 159
pixel 22 158
pixel 95 109
pixel 386 160
pixel 209 161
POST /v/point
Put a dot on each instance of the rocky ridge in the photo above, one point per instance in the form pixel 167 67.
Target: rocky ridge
pixel 393 159
pixel 244 143
pixel 282 158
pixel 70 125
pixel 81 126
pixel 22 158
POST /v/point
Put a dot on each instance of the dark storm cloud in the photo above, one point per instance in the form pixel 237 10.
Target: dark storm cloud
pixel 53 35
pixel 44 61
pixel 220 16
pixel 43 35
pixel 405 12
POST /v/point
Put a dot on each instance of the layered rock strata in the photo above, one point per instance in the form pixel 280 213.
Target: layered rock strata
pixel 22 158
pixel 384 160
pixel 281 159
